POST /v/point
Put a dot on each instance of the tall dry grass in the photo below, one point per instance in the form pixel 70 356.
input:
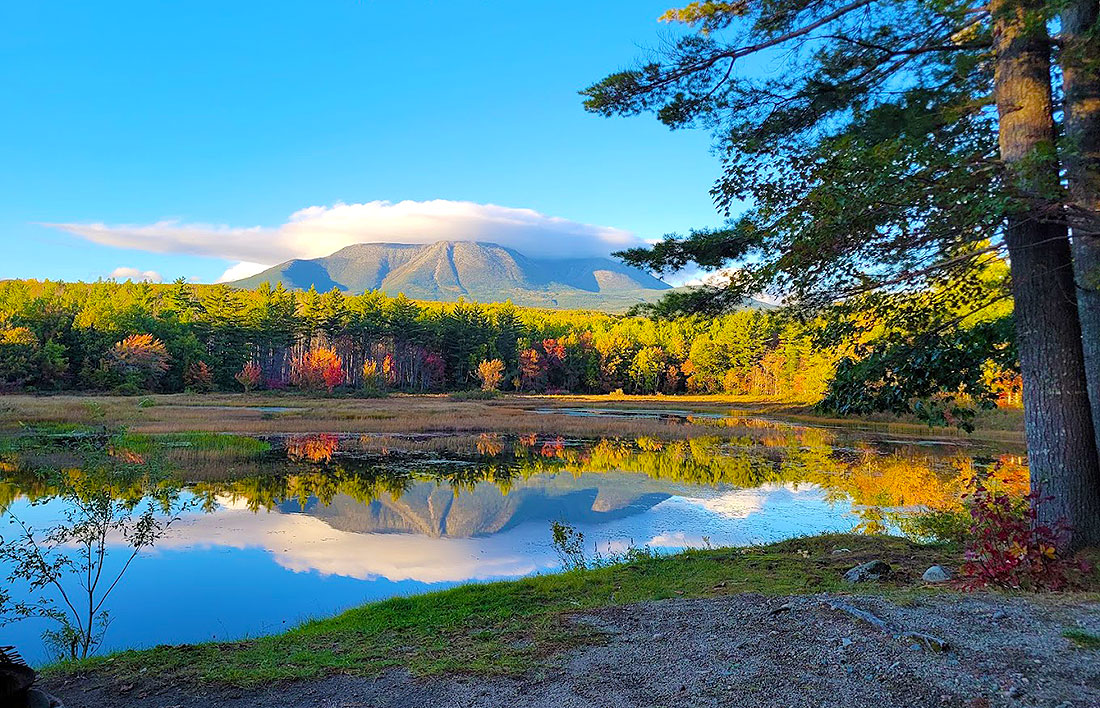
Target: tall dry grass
pixel 404 414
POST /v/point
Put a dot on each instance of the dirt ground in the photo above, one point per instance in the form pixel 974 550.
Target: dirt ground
pixel 736 650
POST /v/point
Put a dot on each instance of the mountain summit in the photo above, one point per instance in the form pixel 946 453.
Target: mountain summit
pixel 475 270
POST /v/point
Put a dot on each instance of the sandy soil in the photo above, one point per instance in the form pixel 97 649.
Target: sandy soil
pixel 737 650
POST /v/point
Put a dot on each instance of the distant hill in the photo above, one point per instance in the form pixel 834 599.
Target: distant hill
pixel 479 271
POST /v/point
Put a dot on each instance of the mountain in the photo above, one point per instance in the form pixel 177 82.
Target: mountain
pixel 475 270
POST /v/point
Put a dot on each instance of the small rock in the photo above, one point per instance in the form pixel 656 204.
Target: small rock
pixel 840 551
pixel 936 574
pixel 846 642
pixel 658 637
pixel 872 570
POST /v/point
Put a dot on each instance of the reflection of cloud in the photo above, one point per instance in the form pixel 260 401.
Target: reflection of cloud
pixel 301 543
pixel 740 503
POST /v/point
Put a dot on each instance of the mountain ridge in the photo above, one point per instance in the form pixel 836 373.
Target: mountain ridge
pixel 474 270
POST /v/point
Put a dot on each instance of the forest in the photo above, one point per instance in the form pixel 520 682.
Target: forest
pixel 138 337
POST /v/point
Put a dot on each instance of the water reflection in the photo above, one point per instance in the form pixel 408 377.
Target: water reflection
pixel 334 520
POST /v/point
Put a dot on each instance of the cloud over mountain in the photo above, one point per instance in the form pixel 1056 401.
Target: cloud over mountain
pixel 320 230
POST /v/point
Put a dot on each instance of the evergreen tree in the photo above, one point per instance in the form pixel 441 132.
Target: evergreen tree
pixel 872 160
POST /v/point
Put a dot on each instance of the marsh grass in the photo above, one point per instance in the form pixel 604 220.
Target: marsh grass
pixel 511 627
pixel 429 413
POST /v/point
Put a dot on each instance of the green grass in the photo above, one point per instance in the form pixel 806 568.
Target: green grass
pixel 509 627
pixel 198 441
pixel 1083 639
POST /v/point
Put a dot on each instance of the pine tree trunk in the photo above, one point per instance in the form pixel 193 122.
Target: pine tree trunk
pixel 1062 452
pixel 1081 82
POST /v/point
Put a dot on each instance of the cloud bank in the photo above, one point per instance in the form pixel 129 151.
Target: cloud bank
pixel 320 230
pixel 124 273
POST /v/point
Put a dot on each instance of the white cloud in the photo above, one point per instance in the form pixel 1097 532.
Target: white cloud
pixel 241 270
pixel 124 273
pixel 320 230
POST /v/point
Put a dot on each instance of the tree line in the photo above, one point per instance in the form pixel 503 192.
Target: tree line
pixel 133 337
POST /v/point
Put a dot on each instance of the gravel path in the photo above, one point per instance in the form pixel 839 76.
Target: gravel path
pixel 736 650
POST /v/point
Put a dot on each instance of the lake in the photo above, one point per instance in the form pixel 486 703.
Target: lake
pixel 287 528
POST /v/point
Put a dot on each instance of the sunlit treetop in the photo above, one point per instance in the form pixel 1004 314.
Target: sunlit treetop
pixel 858 148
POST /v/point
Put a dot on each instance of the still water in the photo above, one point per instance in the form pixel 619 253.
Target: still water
pixel 307 526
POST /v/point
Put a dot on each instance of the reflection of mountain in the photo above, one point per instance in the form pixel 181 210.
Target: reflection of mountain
pixel 303 543
pixel 435 510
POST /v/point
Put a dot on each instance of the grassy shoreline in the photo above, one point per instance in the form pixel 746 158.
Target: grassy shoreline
pixel 509 627
pixel 272 412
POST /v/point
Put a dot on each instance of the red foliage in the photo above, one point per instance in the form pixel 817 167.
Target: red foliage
pixel 1009 548
pixel 435 367
pixel 410 367
pixel 197 377
pixel 312 448
pixel 553 448
pixel 532 368
pixel 318 368
pixel 555 350
pixel 249 377
pixel 139 356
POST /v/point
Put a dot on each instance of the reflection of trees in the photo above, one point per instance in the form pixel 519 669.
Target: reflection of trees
pixel 312 470
pixel 110 502
pixel 318 447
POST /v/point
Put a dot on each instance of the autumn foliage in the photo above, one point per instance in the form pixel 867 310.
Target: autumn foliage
pixel 140 360
pixel 374 377
pixel 317 369
pixel 312 448
pixel 197 377
pixel 60 337
pixel 491 373
pixel 249 377
pixel 1009 548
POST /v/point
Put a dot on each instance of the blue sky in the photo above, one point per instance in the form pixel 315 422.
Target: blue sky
pixel 181 127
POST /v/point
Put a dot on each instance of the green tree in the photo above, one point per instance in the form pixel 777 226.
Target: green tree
pixel 872 161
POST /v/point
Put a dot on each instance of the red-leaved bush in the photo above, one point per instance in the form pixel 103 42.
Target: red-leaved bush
pixel 249 377
pixel 1007 546
pixel 318 368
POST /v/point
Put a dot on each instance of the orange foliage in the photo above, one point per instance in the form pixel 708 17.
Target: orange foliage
pixel 491 373
pixel 318 368
pixel 312 448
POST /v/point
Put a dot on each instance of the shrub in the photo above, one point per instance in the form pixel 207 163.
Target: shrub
pixel 374 377
pixel 197 377
pixel 491 373
pixel 316 369
pixel 946 525
pixel 568 545
pixel 1007 547
pixel 18 357
pixel 140 361
pixel 474 395
pixel 249 377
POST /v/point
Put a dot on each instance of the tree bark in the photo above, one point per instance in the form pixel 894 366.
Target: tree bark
pixel 1080 59
pixel 1062 452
